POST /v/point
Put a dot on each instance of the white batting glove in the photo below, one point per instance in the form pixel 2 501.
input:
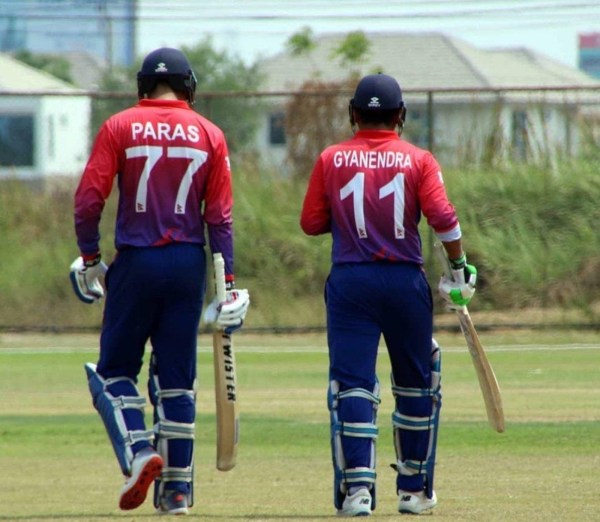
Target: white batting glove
pixel 458 291
pixel 230 314
pixel 86 278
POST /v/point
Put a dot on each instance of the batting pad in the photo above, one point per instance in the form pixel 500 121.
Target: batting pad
pixel 345 431
pixel 112 408
pixel 174 412
pixel 415 433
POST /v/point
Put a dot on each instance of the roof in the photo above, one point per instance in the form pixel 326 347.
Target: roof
pixel 424 61
pixel 86 69
pixel 18 77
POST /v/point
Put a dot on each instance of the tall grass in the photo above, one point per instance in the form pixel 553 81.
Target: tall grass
pixel 533 234
pixel 533 230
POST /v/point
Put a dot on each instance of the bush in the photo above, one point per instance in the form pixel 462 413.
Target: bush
pixel 531 232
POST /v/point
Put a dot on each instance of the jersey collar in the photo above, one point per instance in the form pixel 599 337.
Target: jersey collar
pixel 376 134
pixel 146 102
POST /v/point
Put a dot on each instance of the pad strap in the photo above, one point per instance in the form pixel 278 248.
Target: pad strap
pixel 354 475
pixel 407 422
pixel 177 474
pixel 175 430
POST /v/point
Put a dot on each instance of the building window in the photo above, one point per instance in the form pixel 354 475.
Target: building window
pixel 417 127
pixel 277 128
pixel 16 140
pixel 519 134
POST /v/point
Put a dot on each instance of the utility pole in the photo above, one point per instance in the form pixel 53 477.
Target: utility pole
pixel 106 21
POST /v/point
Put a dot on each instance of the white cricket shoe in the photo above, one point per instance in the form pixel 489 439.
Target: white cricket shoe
pixel 146 466
pixel 415 502
pixel 356 505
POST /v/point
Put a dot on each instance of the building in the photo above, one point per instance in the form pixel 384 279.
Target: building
pixel 44 124
pixel 103 28
pixel 589 53
pixel 461 100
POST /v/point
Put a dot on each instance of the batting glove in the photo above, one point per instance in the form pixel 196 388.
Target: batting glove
pixel 458 291
pixel 230 314
pixel 86 279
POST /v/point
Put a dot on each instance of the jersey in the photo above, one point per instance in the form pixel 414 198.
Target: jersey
pixel 174 177
pixel 370 192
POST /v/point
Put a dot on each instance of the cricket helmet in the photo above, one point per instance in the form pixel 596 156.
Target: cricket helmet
pixel 377 92
pixel 170 65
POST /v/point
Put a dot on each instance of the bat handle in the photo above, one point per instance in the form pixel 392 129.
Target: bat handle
pixel 440 251
pixel 219 266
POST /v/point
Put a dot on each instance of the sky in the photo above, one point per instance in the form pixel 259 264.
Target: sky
pixel 254 29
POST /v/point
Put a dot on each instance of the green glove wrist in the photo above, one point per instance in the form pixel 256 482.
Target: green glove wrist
pixel 457 264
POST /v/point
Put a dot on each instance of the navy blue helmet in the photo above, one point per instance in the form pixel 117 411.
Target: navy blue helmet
pixel 169 65
pixel 377 92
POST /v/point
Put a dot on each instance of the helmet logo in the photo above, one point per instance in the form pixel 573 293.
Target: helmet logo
pixel 374 102
pixel 161 68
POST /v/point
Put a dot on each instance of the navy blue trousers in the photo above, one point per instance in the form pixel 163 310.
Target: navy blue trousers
pixel 365 301
pixel 155 294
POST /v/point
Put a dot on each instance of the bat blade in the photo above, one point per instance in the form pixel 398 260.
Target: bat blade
pixel 227 417
pixel 485 374
pixel 488 383
pixel 226 401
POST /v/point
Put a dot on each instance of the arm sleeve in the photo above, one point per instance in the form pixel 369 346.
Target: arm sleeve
pixel 315 218
pixel 437 209
pixel 218 206
pixel 94 188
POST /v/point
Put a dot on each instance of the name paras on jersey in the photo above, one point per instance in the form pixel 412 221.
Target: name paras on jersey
pixel 371 159
pixel 164 131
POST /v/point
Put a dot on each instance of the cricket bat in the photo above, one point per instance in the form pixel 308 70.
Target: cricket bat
pixel 485 374
pixel 228 424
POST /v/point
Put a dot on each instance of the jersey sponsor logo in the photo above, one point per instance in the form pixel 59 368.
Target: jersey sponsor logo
pixel 164 131
pixel 372 159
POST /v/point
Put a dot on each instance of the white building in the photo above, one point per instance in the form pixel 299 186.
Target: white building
pixel 463 99
pixel 44 124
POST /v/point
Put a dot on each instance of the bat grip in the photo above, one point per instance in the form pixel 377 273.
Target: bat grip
pixel 219 266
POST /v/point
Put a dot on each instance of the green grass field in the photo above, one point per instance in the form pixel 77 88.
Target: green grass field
pixel 57 465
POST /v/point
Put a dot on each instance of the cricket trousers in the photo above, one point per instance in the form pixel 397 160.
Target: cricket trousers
pixel 364 302
pixel 155 294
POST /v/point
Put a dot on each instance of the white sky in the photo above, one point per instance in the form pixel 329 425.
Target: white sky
pixel 252 29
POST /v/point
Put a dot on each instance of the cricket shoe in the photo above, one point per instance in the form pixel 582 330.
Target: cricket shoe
pixel 356 505
pixel 173 503
pixel 146 466
pixel 415 502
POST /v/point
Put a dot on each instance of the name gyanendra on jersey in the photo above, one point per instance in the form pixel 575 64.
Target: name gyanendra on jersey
pixel 371 159
pixel 165 131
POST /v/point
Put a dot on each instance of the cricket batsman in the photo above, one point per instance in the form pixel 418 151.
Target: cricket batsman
pixel 369 193
pixel 172 169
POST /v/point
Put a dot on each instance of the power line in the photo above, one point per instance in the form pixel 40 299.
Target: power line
pixel 299 11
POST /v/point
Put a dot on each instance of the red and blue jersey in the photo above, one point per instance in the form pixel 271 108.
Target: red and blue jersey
pixel 370 192
pixel 173 172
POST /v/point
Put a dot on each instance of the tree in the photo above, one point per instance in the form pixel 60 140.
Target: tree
pixel 353 49
pixel 316 116
pixel 217 73
pixel 50 63
pixel 219 76
pixel 116 93
pixel 301 43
